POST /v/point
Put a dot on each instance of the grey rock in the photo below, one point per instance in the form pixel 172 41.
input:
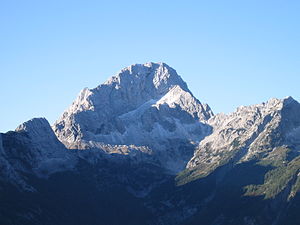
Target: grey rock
pixel 143 105
pixel 33 147
pixel 250 133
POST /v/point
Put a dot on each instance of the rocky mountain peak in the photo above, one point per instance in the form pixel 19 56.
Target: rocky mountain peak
pixel 40 132
pixel 35 126
pixel 128 89
pixel 144 105
pixel 100 110
pixel 155 77
pixel 40 150
pixel 43 142
pixel 251 132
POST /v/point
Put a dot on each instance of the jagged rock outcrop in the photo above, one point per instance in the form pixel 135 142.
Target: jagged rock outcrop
pixel 250 133
pixel 33 147
pixel 143 105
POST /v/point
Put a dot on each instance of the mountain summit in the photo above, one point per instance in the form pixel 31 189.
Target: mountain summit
pixel 143 105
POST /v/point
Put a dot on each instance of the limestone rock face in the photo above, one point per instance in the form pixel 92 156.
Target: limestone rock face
pixel 143 105
pixel 33 147
pixel 251 132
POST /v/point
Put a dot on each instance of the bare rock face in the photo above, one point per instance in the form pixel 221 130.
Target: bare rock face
pixel 42 136
pixel 251 133
pixel 8 172
pixel 33 147
pixel 143 105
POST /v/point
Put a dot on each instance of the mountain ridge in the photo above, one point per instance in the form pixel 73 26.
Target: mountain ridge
pixel 142 149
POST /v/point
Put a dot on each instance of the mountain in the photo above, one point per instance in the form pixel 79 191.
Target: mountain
pixel 34 148
pixel 254 156
pixel 143 105
pixel 251 133
pixel 141 149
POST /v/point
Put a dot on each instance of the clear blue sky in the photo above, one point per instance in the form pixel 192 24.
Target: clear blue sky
pixel 230 53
